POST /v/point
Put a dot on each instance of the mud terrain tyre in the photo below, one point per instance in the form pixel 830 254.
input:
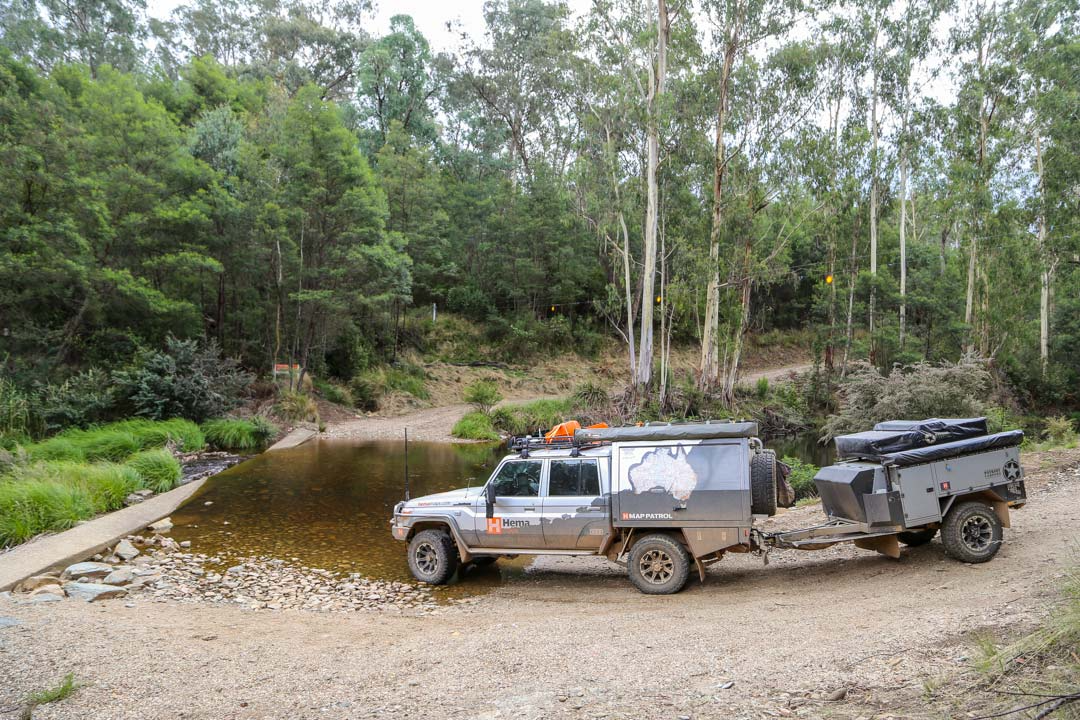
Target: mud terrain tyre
pixel 432 557
pixel 763 483
pixel 971 532
pixel 915 538
pixel 658 565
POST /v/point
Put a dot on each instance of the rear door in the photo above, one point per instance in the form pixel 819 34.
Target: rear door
pixel 516 521
pixel 575 508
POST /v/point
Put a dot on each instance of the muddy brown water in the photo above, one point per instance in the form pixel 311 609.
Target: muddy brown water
pixel 327 504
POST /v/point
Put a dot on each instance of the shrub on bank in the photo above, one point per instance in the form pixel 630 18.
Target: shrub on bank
pixel 474 426
pixel 802 477
pixel 527 418
pixel 157 469
pixel 232 434
pixel 482 395
pixel 916 391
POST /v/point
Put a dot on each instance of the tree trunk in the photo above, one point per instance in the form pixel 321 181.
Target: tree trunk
pixel 648 279
pixel 745 285
pixel 1046 274
pixel 903 242
pixel 709 367
pixel 873 199
pixel 852 277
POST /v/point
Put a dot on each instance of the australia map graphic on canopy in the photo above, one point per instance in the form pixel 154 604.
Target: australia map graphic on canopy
pixel 665 470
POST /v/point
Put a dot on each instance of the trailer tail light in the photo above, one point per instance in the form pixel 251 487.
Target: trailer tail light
pixel 945 486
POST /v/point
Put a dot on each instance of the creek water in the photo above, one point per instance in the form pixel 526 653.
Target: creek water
pixel 327 504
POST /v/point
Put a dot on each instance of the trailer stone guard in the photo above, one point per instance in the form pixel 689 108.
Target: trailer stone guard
pixel 659 497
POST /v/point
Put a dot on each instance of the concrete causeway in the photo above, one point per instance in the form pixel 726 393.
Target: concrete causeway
pixel 81 541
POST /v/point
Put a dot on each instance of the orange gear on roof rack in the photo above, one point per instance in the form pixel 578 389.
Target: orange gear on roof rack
pixel 565 430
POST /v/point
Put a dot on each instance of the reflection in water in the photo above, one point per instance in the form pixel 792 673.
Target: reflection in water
pixel 805 447
pixel 327 504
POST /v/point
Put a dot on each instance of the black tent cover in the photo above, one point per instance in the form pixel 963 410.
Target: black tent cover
pixel 898 435
pixel 931 453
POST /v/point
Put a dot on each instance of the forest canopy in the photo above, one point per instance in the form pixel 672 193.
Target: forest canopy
pixel 901 178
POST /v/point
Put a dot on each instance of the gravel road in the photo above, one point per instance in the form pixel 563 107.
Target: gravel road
pixel 571 639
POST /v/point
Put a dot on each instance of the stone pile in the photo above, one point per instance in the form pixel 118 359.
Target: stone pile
pixel 159 567
pixel 261 583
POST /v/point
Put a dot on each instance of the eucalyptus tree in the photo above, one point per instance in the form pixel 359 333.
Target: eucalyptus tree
pixel 739 26
pixel 637 38
pixel 912 41
pixel 398 82
pixel 521 77
pixel 90 32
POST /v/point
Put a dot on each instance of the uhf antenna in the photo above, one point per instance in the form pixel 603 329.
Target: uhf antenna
pixel 406 464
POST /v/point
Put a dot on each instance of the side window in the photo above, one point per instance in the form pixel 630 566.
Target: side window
pixel 573 478
pixel 518 479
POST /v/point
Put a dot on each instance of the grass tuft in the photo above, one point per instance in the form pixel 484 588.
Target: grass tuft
pixel 474 426
pixel 157 469
pixel 232 434
pixel 54 694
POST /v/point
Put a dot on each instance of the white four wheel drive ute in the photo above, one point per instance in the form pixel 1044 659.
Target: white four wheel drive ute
pixel 656 498
pixel 660 497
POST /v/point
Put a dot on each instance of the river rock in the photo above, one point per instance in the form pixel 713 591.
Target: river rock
pixel 88 570
pixel 33 583
pixel 162 525
pixel 91 592
pixel 9 622
pixel 133 499
pixel 48 590
pixel 125 550
pixel 120 576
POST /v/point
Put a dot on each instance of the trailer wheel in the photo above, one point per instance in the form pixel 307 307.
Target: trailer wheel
pixel 915 538
pixel 763 483
pixel 658 565
pixel 971 532
pixel 432 557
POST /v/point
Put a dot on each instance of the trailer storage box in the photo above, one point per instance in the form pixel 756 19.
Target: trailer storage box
pixel 858 491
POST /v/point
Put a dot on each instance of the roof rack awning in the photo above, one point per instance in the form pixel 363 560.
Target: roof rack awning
pixel 684 431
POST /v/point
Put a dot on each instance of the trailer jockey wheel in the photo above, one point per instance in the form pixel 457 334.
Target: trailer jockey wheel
pixel 658 565
pixel 971 532
pixel 915 538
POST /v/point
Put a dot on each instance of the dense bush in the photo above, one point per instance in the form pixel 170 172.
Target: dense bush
pixel 158 470
pixel 913 392
pixel 335 393
pixel 474 426
pixel 16 418
pixel 802 477
pixel 297 407
pixel 365 393
pixel 231 434
pixel 84 399
pixel 1061 432
pixel 470 301
pixel 482 395
pixel 185 380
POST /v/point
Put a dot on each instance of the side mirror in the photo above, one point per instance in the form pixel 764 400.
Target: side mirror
pixel 489 493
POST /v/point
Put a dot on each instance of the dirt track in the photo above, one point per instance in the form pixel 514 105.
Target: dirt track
pixel 434 423
pixel 572 639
